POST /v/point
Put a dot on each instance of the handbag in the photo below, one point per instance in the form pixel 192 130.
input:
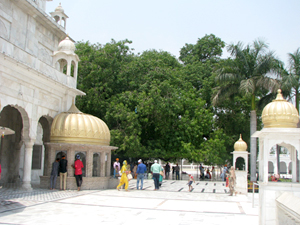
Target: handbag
pixel 161 173
pixel 129 176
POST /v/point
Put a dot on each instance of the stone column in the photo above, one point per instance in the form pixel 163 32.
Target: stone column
pixel 71 160
pixel 108 164
pixel 265 163
pixel 69 68
pixel 253 144
pixel 102 164
pixel 89 163
pixel 27 164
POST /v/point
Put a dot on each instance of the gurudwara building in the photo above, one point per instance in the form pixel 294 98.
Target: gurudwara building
pixel 38 79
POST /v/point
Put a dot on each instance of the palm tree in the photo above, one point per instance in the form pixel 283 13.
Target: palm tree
pixel 291 78
pixel 248 73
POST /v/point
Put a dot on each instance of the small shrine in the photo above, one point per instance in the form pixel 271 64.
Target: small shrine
pixel 76 133
pixel 278 199
pixel 240 152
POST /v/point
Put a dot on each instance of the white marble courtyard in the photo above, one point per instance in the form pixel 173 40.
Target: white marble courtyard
pixel 172 204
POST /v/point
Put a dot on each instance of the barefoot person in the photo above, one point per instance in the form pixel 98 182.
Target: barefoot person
pixel 191 180
pixel 124 179
pixel 232 179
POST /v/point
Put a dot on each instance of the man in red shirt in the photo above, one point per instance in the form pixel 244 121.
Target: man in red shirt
pixel 78 165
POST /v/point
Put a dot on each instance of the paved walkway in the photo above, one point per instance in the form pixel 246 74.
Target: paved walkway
pixel 207 204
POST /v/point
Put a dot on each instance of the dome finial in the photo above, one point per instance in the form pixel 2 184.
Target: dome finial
pixel 73 108
pixel 279 96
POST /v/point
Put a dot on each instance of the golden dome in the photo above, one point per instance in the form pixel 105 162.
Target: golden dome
pixel 79 128
pixel 280 113
pixel 240 145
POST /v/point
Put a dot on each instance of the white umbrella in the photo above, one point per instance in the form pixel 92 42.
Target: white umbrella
pixel 6 131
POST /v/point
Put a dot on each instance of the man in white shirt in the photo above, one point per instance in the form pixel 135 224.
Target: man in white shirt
pixel 116 167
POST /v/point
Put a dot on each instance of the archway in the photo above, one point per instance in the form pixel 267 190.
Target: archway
pixel 96 165
pixel 282 168
pixel 240 163
pixel 270 167
pixel 10 151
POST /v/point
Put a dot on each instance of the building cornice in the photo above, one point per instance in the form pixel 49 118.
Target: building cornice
pixel 41 16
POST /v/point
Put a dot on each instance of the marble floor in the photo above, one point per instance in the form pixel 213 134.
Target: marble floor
pixel 208 203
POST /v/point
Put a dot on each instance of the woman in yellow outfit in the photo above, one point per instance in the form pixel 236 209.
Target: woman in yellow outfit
pixel 124 179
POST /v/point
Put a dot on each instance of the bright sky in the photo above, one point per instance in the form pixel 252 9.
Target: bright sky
pixel 169 24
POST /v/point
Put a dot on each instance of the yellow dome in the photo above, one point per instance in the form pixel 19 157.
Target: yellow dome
pixel 240 145
pixel 79 128
pixel 280 113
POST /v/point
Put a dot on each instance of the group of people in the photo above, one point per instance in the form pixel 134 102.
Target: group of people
pixel 60 167
pixel 209 174
pixel 141 170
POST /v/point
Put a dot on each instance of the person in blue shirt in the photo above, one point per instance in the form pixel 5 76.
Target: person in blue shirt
pixel 141 169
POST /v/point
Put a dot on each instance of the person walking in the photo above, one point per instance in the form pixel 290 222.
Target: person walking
pixel 54 174
pixel 167 169
pixel 134 171
pixel 191 180
pixel 213 173
pixel 201 172
pixel 78 165
pixel 63 163
pixel 223 175
pixel 155 169
pixel 116 167
pixel 124 179
pixel 141 170
pixel 232 180
pixel 177 169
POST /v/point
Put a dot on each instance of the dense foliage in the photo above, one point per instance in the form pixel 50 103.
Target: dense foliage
pixel 159 107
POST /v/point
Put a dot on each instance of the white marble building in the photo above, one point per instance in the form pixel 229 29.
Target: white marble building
pixel 36 84
pixel 279 201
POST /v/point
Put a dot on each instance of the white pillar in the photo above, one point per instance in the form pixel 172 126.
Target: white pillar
pixel 27 164
pixel 108 164
pixel 265 161
pixel 102 164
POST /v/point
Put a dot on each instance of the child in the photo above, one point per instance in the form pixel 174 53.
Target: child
pixel 190 182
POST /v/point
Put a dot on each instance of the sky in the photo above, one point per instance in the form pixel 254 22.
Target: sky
pixel 169 24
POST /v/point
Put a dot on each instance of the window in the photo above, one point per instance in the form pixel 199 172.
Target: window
pixel 37 157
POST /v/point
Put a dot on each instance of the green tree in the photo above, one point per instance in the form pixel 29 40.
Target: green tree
pixel 98 73
pixel 291 77
pixel 207 48
pixel 248 73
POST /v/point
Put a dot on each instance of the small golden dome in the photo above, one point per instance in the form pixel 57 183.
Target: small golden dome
pixel 79 128
pixel 240 145
pixel 280 113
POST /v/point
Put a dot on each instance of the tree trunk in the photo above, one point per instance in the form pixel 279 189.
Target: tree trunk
pixel 253 145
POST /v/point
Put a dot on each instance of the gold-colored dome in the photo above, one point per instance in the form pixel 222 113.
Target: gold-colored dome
pixel 280 113
pixel 79 128
pixel 240 145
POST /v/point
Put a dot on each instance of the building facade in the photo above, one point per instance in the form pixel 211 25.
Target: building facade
pixel 38 76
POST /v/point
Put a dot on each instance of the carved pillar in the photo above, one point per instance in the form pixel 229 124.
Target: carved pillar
pixel 108 164
pixel 27 164
pixel 89 163
pixel 102 164
pixel 71 160
pixel 51 158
